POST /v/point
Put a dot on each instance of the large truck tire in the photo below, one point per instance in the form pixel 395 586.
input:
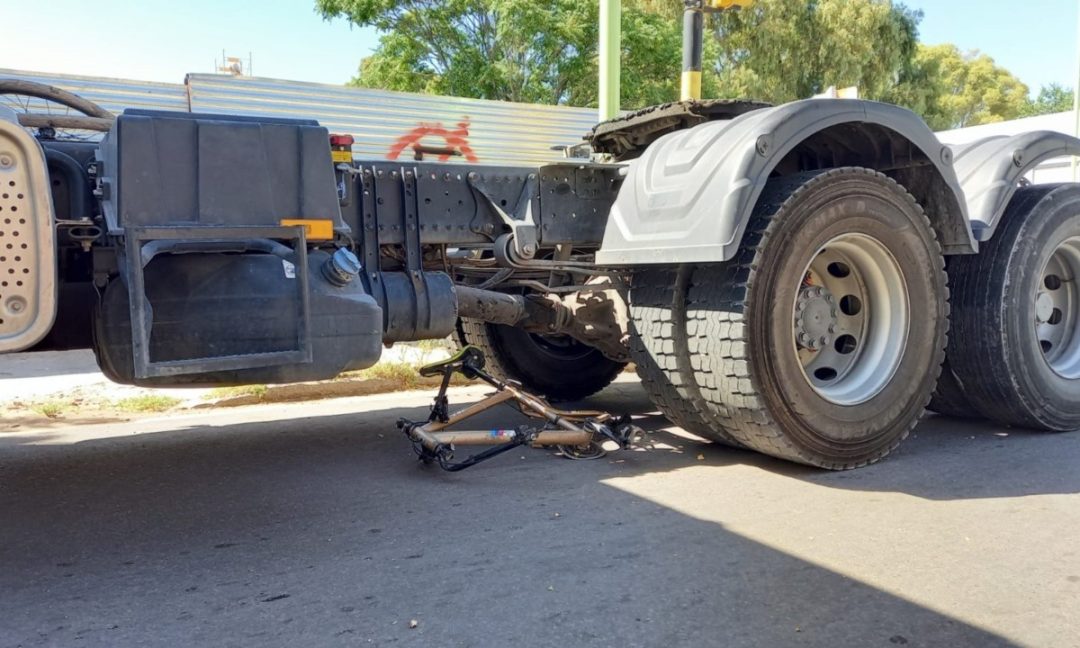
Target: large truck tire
pixel 821 341
pixel 1016 314
pixel 949 398
pixel 557 367
pixel 657 315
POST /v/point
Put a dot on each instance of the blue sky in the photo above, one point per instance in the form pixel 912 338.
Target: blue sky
pixel 1034 39
pixel 161 41
pixel 154 40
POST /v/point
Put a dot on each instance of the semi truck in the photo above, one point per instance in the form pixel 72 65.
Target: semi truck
pixel 803 280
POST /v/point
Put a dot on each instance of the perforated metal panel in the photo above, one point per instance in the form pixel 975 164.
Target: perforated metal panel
pixel 27 255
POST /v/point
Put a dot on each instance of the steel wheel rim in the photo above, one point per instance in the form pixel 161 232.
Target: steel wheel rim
pixel 851 319
pixel 1057 310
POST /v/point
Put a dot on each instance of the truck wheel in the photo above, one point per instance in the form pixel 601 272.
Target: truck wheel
pixel 1016 317
pixel 656 320
pixel 821 340
pixel 949 398
pixel 557 367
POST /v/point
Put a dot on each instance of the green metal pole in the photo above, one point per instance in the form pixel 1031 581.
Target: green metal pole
pixel 1076 100
pixel 610 57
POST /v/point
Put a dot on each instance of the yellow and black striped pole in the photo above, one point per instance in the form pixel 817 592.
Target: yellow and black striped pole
pixel 693 41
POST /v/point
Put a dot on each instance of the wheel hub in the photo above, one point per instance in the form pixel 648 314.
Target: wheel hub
pixel 850 319
pixel 1057 310
pixel 815 317
pixel 1044 308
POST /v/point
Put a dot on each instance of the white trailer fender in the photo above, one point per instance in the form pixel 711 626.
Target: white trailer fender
pixel 990 170
pixel 688 198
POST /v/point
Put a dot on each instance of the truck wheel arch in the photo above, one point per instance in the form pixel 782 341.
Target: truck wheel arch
pixel 688 198
pixel 990 170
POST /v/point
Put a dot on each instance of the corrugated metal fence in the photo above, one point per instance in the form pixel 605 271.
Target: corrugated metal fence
pixel 496 132
pixel 113 95
pixel 385 124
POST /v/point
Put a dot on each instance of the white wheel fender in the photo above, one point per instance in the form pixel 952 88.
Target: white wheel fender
pixel 688 197
pixel 989 170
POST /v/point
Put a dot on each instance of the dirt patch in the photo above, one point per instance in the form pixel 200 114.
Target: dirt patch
pixel 338 388
pixel 96 400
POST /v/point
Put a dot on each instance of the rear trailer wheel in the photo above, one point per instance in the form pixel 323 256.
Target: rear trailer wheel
pixel 1016 348
pixel 657 331
pixel 556 366
pixel 821 341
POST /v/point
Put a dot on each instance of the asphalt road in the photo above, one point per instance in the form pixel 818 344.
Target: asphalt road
pixel 313 525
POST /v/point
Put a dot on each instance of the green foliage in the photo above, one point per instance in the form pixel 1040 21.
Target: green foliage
pixel 782 50
pixel 515 50
pixel 545 52
pixel 218 393
pixel 52 408
pixel 1053 98
pixel 146 403
pixel 652 59
pixel 778 50
pixel 951 89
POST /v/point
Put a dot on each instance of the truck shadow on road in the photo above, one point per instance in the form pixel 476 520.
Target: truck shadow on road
pixel 942 459
pixel 321 530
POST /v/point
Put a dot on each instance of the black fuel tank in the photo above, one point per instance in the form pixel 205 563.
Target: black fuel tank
pixel 211 305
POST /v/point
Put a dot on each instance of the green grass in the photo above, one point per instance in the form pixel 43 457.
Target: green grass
pixel 52 408
pixel 240 390
pixel 146 403
pixel 60 407
pixel 401 374
pixel 431 345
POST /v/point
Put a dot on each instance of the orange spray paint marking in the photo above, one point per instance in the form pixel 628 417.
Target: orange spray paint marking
pixel 456 140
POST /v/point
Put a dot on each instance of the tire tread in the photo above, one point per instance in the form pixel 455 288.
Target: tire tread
pixel 719 346
pixel 654 326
